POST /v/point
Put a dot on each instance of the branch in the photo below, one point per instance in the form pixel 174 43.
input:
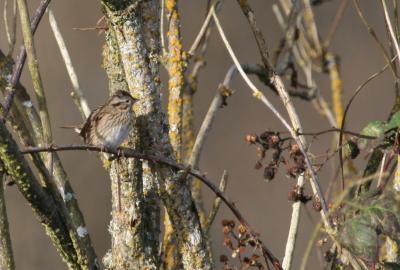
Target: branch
pixel 201 33
pixel 42 204
pixel 69 211
pixel 6 254
pixel 347 108
pixel 141 67
pixel 176 69
pixel 35 74
pixel 133 182
pixel 276 80
pixel 77 95
pixel 375 37
pixel 334 26
pixel 129 153
pixel 25 121
pixel 217 203
pixel 296 125
pixel 391 31
pixel 11 33
pixel 337 130
pixel 37 16
pixel 216 104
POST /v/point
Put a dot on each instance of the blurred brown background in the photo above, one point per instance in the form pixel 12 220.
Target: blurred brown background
pixel 265 205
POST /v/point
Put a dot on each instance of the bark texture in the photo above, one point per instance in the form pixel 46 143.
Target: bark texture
pixel 136 38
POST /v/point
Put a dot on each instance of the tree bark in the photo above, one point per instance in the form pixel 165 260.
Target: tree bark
pixel 137 36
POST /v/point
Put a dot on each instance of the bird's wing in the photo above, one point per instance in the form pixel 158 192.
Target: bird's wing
pixel 93 117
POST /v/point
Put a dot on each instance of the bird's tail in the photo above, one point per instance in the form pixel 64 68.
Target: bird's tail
pixel 77 129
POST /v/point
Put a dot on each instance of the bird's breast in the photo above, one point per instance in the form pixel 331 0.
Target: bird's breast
pixel 113 132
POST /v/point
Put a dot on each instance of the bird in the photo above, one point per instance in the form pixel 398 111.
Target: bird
pixel 109 124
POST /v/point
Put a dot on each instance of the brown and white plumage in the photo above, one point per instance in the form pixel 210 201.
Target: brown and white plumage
pixel 109 124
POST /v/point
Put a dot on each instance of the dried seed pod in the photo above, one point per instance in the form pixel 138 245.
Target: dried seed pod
pixel 265 135
pixel 242 229
pixel 317 204
pixel 223 258
pixel 276 155
pixel 295 150
pixel 251 138
pixel 261 152
pixel 228 243
pixel 269 172
pixel 258 165
pixel 252 243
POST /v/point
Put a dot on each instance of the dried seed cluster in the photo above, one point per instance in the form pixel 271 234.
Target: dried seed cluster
pixel 237 241
pixel 270 141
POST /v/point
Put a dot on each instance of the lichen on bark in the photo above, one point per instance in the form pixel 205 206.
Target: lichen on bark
pixel 41 203
pixel 130 27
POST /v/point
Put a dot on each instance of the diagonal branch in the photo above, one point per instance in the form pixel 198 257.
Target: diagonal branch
pixel 129 153
pixel 276 80
pixel 77 95
pixel 16 75
pixel 42 204
pixel 6 253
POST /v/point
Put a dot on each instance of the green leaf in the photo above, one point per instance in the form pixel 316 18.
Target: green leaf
pixel 359 237
pixel 374 128
pixel 394 122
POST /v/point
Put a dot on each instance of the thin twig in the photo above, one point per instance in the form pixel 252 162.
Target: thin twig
pixel 129 153
pixel 17 71
pixel 337 130
pixel 382 170
pixel 162 38
pixel 334 26
pixel 201 33
pixel 11 33
pixel 310 245
pixel 371 31
pixel 217 203
pixel 311 26
pixel 391 31
pixel 259 95
pixel 209 119
pixel 277 82
pixel 78 94
pixel 102 28
pixel 358 90
pixel 262 45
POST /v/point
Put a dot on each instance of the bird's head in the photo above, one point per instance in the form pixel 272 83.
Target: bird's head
pixel 122 100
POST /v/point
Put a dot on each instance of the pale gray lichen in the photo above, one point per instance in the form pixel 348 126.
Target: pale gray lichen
pixel 82 231
pixel 28 104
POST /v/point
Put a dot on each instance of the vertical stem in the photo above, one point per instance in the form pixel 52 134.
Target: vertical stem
pixel 176 68
pixel 6 254
pixel 59 186
pixel 336 87
pixel 34 70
